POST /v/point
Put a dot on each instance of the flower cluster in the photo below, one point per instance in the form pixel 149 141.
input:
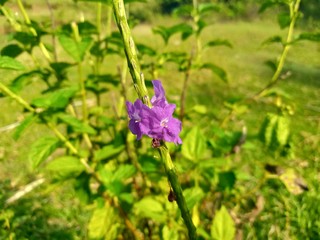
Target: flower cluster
pixel 156 122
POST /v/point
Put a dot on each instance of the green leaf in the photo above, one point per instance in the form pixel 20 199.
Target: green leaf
pixel 282 130
pixel 10 63
pixel 284 20
pixel 150 208
pixel 42 149
pixel 76 50
pixel 226 180
pixel 275 131
pixel 11 50
pixel 193 196
pixel 24 125
pixel 201 25
pixel 146 50
pixel 223 227
pixel 273 39
pixel 207 8
pixel 277 92
pixel 183 10
pixel 26 39
pixel 194 145
pixel 271 64
pixel 60 67
pixel 216 70
pixel 2 2
pixel 58 99
pixel 64 167
pixel 202 109
pixel 167 32
pixel 76 124
pixel 104 223
pixel 108 152
pixel 169 233
pixel 270 3
pixel 124 172
pixel 267 129
pixel 25 79
pixel 309 36
pixel 218 42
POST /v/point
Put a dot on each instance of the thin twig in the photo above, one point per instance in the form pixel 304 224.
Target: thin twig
pixel 26 189
pixel 53 27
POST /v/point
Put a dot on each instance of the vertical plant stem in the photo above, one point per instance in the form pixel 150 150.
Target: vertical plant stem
pixel 13 22
pixel 82 87
pixel 98 58
pixel 83 94
pixel 294 10
pixel 175 184
pixel 33 31
pixel 184 88
pixel 137 76
pixel 130 51
pixel 99 9
pixel 53 27
pixel 109 20
pixel 196 18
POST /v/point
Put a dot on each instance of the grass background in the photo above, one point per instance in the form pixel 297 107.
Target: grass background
pixel 52 212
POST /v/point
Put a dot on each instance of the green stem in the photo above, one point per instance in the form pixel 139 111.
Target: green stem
pixel 294 10
pixel 109 20
pixel 17 27
pixel 83 94
pixel 196 19
pixel 32 30
pixel 137 76
pixel 50 125
pixel 14 96
pixel 184 88
pixel 53 27
pixel 175 184
pixel 130 51
pixel 77 38
pixel 99 6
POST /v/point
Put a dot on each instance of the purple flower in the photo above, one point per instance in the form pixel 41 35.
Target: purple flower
pixel 159 98
pixel 136 113
pixel 163 125
pixel 156 122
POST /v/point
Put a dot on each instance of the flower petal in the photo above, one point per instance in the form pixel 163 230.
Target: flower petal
pixel 159 98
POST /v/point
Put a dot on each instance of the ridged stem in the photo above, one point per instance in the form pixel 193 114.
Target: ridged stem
pixel 176 186
pixel 138 80
pixel 130 51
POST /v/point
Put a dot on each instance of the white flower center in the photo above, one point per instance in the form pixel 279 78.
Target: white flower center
pixel 136 117
pixel 164 122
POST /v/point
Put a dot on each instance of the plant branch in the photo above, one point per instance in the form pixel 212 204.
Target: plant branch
pixel 33 31
pixel 130 51
pixel 50 125
pixel 138 80
pixel 14 96
pixel 175 184
pixel 185 87
pixel 53 27
pixel 294 10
